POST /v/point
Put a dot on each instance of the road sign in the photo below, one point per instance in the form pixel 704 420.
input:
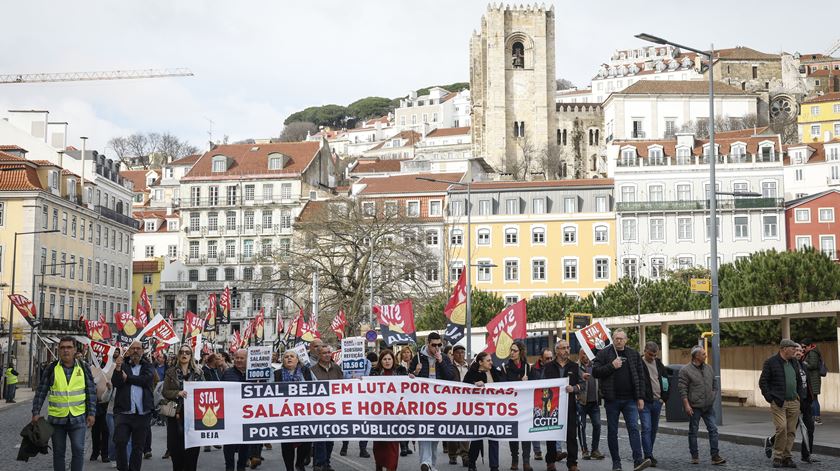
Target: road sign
pixel 701 285
pixel 370 336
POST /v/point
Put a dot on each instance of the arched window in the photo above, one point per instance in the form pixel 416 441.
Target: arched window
pixel 484 237
pixel 511 236
pixel 518 55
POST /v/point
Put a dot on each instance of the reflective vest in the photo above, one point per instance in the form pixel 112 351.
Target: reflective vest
pixel 11 378
pixel 67 398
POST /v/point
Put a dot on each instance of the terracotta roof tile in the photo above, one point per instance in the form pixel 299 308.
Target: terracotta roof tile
pixel 188 160
pixel 817 150
pixel 724 143
pixel 138 178
pixel 19 178
pixel 834 96
pixel 252 159
pixel 68 173
pixel 6 147
pixel 679 87
pixel 411 138
pixel 408 183
pixel 44 163
pixel 6 157
pixel 509 185
pixel 146 266
pixel 441 132
pixel 745 53
pixel 377 166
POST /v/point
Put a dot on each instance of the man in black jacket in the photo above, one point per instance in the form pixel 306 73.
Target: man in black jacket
pixel 656 393
pixel 236 374
pixel 780 384
pixel 621 372
pixel 563 367
pixel 133 405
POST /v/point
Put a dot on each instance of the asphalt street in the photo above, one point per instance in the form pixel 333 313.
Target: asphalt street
pixel 670 450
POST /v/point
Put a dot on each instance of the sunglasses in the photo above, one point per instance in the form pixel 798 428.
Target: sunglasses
pixel 185 352
pixel 436 344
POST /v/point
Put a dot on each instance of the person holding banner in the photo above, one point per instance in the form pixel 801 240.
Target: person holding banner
pixel 293 371
pixel 386 455
pixel 622 383
pixel 325 370
pixel 459 448
pixel 481 373
pixel 68 388
pixel 517 368
pixel 237 374
pixel 173 390
pixel 133 405
pixel 564 367
pixel 430 362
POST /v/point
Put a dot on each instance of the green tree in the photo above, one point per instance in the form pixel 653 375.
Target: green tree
pixel 551 308
pixel 452 87
pixel 370 107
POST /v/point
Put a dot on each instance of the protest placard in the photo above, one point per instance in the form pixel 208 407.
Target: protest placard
pixel 259 364
pixel 353 361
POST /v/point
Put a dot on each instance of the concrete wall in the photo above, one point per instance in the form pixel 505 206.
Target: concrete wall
pixel 741 367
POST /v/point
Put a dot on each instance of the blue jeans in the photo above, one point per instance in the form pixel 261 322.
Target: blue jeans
pixel 816 407
pixel 593 411
pixel 76 432
pixel 10 392
pixel 650 425
pixel 708 416
pixel 323 453
pixel 627 408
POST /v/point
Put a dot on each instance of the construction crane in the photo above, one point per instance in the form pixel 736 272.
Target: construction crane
pixel 100 75
pixel 834 48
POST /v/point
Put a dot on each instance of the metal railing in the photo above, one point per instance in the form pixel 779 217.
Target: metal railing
pixel 62 325
pixel 699 205
pixel 117 217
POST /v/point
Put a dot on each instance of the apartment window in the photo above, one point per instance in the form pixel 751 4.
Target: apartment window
pixel 212 249
pixel 570 204
pixel 570 269
pixel 485 208
pixel 601 204
pixel 149 226
pixel 656 193
pixel 193 249
pixel 484 271
pixel 670 127
pixel 511 236
pixel 456 237
pixel 147 278
pixel 214 195
pixel 628 230
pixel 63 266
pixel 802 215
pixel 230 221
pixel 803 242
pixel 538 206
pixel 268 192
pixel 248 248
pixel 684 192
pixel 512 206
pixel 628 194
pixel 266 247
pixel 96 279
pixel 432 238
pixel 435 208
pixel 194 222
pixel 826 215
pixel 72 222
pixel 267 219
pixel 219 164
pixel 538 235
pixel 248 220
pixel 538 270
pixel 483 237
pixel 45 216
pixel 412 209
pixel 684 156
pixel 368 208
pixel 193 275
pixel 456 208
pixel 390 208
pixel 770 225
pixel 569 235
pixel 657 230
pixel 709 227
pixel 455 270
pixel 630 267
pixel 511 270
pixel 230 248
pixel 172 251
pixel 602 269
pixel 511 300
pixel 64 223
pixel 286 191
pixel 657 267
pixel 602 234
pixel 768 189
pixel 742 227
pixel 150 251
pixel 72 266
pixel 828 247
pixel 248 274
pixel 212 274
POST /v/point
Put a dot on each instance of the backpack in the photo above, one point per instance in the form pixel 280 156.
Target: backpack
pixel 823 368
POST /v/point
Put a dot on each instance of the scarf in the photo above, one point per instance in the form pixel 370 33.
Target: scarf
pixel 293 376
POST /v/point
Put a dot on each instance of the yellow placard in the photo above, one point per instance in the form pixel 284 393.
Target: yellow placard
pixel 701 285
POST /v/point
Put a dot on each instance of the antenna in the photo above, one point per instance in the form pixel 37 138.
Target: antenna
pixel 210 131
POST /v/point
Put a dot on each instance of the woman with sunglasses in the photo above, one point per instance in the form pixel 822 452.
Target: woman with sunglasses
pixel 386 455
pixel 185 369
pixel 292 371
pixel 517 368
pixel 481 373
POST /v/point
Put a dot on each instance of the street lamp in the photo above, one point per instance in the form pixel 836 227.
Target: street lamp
pixel 14 269
pixel 713 264
pixel 468 264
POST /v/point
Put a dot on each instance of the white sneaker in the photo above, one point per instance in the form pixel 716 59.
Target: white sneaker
pixel 425 467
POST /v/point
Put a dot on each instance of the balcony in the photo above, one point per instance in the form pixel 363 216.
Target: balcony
pixel 117 217
pixel 211 202
pixel 193 285
pixel 62 325
pixel 699 205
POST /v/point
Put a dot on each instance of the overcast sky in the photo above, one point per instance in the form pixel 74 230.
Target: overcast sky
pixel 255 62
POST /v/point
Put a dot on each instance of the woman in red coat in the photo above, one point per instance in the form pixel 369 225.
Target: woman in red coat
pixel 387 454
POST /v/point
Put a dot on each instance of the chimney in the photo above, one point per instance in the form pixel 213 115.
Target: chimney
pixel 169 211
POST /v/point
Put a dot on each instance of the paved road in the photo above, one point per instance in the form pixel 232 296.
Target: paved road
pixel 671 450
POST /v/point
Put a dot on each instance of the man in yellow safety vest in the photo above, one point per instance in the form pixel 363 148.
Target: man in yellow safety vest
pixel 68 388
pixel 11 383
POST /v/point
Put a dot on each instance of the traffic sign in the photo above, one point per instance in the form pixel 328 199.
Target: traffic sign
pixel 370 336
pixel 701 285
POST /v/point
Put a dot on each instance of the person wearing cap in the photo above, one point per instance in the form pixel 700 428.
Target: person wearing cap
pixel 696 386
pixel 780 384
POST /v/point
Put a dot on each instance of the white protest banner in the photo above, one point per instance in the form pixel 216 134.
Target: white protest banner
pixel 378 408
pixel 101 355
pixel 259 364
pixel 303 355
pixel 159 328
pixel 353 357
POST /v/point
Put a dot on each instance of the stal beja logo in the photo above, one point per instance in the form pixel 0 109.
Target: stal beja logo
pixel 546 414
pixel 209 409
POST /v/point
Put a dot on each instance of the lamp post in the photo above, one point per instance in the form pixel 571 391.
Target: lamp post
pixel 468 264
pixel 12 288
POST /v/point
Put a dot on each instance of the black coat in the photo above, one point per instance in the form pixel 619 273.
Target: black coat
pixel 772 379
pixel 36 439
pixel 233 375
pixel 399 370
pixel 444 369
pixel 603 370
pixel 512 373
pixel 122 401
pixel 663 373
pixel 473 376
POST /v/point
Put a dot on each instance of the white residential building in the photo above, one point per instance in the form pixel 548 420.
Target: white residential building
pixel 651 109
pixel 812 168
pixel 661 190
pixel 440 108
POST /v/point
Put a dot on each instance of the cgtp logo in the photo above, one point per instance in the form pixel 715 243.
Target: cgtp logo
pixel 209 409
pixel 546 415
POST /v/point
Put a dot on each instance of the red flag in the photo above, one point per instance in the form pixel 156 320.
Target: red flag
pixel 101 353
pixel 97 330
pixel 456 311
pixel 339 323
pixel 102 318
pixel 210 319
pixel 126 323
pixel 303 330
pixel 235 342
pixel 507 326
pixel 224 303
pixel 195 343
pixel 396 322
pixel 144 307
pixel 259 326
pixel 26 308
pixel 160 329
pixel 193 325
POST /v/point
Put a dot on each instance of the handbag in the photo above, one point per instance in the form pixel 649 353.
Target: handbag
pixel 168 408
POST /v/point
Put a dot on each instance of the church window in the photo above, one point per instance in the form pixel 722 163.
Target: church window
pixel 519 129
pixel 518 55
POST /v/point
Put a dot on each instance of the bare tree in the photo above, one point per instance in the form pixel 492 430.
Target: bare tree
pixel 551 161
pixel 119 145
pixel 526 159
pixel 345 248
pixel 150 149
pixel 173 148
pixel 700 128
pixel 297 131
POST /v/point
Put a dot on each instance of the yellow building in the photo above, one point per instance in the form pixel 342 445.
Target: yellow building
pixel 146 274
pixel 819 118
pixel 537 238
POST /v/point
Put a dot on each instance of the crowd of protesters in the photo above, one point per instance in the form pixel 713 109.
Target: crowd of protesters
pixel 122 406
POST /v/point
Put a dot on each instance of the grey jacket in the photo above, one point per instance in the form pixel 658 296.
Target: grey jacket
pixel 696 384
